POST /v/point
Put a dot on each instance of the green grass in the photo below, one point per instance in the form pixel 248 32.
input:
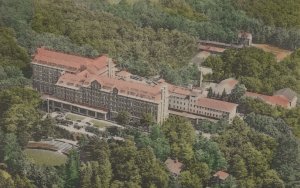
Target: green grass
pixel 45 157
pixel 99 124
pixel 74 117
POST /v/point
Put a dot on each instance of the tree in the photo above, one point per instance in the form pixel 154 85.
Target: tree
pixel 98 150
pixel 123 118
pixel 152 172
pixel 157 141
pixel 181 136
pixel 19 119
pixel 95 179
pixel 237 93
pixel 210 93
pixel 224 95
pixel 6 180
pixel 189 180
pixel 147 120
pixel 72 170
pixel 11 53
pixel 12 154
pixel 85 175
pixel 272 180
pixel 123 162
pixel 23 182
pixel 45 128
pixel 286 158
pixel 209 152
pixel 249 153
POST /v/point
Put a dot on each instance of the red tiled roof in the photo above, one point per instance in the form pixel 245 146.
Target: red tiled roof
pixel 174 166
pixel 211 48
pixel 231 82
pixel 178 90
pixel 124 74
pixel 272 100
pixel 216 104
pixel 138 89
pixel 221 175
pixel 228 84
pixel 85 78
pixel 68 61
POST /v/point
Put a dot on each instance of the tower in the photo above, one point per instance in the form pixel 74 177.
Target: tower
pixel 111 68
pixel 201 78
pixel 164 105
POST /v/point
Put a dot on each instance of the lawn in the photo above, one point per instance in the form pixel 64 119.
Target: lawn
pixel 99 124
pixel 74 117
pixel 46 157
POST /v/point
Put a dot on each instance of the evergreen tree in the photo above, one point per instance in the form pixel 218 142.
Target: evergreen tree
pixel 237 93
pixel 210 93
pixel 72 170
pixel 123 118
pixel 224 94
pixel 85 175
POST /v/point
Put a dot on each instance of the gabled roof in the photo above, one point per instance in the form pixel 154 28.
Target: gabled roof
pixel 227 84
pixel 221 175
pixel 278 100
pixel 287 92
pixel 174 166
pixel 69 61
pixel 136 89
pixel 216 104
pixel 179 90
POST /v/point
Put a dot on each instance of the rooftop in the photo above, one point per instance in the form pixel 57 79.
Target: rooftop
pixel 272 100
pixel 227 84
pixel 174 166
pixel 69 61
pixel 221 175
pixel 287 92
pixel 211 48
pixel 179 90
pixel 217 104
pixel 85 78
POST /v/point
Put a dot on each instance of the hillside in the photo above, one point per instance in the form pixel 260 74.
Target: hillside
pixel 150 38
pixel 273 12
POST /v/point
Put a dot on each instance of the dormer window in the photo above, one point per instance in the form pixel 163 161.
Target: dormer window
pixel 115 91
pixel 95 85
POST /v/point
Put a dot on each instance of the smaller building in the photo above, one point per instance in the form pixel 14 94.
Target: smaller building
pixel 220 178
pixel 220 175
pixel 174 166
pixel 228 85
pixel 289 94
pixel 200 57
pixel 245 38
pixel 285 98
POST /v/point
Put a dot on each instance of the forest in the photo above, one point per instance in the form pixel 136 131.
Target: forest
pixel 269 158
pixel 148 38
pixel 256 69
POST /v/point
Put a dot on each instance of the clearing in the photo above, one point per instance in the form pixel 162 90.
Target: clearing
pixel 278 52
pixel 46 157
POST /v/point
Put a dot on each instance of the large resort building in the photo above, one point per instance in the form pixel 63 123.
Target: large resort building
pixel 96 88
